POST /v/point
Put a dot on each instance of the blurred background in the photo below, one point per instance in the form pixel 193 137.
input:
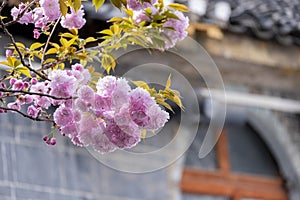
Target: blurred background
pixel 255 46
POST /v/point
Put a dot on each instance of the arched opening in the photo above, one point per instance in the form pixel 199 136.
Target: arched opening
pixel 240 167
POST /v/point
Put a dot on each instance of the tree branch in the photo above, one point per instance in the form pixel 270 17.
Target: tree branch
pixel 33 93
pixel 27 116
pixel 19 52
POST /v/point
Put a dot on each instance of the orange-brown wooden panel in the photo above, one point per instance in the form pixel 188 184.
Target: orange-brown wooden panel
pixel 213 183
pixel 223 153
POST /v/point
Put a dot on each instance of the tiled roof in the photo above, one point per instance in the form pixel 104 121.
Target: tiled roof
pixel 265 19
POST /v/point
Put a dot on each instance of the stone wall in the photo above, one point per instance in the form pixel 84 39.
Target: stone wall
pixel 31 170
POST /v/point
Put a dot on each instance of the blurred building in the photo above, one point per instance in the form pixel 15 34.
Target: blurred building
pixel 255 46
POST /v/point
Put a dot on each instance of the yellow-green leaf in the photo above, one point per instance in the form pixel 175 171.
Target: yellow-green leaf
pixel 49 60
pixel 144 134
pixel 97 3
pixel 23 70
pixel 76 5
pixel 115 19
pixel 74 31
pixel 19 44
pixel 64 42
pixel 117 3
pixel 56 46
pixel 129 12
pixel 108 62
pixel 90 39
pixel 179 7
pixel 141 84
pixel 68 35
pixel 115 29
pixel 36 45
pixel 165 104
pixel 168 84
pixel 63 7
pixel 107 32
pixel 52 51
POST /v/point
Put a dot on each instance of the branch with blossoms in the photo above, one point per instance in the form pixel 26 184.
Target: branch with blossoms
pixel 92 109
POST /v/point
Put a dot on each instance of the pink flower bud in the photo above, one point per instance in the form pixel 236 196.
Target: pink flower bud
pixel 18 85
pixel 26 84
pixel 8 53
pixel 34 81
pixel 36 34
pixel 53 141
pixel 3 85
pixel 45 138
pixel 12 81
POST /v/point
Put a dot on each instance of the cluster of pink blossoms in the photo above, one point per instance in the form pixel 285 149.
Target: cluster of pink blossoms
pixel 63 84
pixel 49 11
pixel 111 118
pixel 174 29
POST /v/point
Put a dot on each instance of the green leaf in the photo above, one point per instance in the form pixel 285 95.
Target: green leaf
pixel 97 3
pixel 36 45
pixel 63 7
pixel 179 7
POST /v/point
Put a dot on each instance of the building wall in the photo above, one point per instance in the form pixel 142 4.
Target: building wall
pixel 29 169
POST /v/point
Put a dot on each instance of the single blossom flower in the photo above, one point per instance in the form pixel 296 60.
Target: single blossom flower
pixel 32 111
pixel 73 20
pixel 51 9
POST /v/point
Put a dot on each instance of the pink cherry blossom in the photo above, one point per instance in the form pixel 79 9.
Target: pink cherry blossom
pixel 86 94
pixel 32 111
pixel 51 9
pixel 73 20
pixel 14 105
pixel 175 29
pixel 63 116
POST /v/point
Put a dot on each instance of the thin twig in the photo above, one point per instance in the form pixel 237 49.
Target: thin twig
pixel 4 3
pixel 27 116
pixel 48 40
pixel 33 93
